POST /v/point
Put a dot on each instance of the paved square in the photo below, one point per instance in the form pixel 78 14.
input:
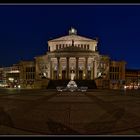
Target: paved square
pixel 44 112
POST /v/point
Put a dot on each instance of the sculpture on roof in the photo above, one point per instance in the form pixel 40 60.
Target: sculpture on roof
pixel 72 31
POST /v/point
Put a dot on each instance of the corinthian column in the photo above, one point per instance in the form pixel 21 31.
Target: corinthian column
pixel 86 59
pixel 77 58
pixel 51 69
pixel 93 76
pixel 58 64
pixel 67 67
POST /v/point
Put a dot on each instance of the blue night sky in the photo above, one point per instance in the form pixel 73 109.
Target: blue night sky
pixel 25 29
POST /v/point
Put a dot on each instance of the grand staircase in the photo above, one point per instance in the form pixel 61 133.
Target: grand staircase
pixel 54 83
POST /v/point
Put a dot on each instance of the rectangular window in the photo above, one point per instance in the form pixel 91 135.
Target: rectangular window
pixel 28 76
pixel 110 69
pixel 33 76
pixel 118 69
pixel 118 76
pixel 115 69
pixel 113 76
pixel 110 76
pixel 33 69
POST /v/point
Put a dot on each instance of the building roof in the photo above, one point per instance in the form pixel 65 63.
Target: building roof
pixel 72 37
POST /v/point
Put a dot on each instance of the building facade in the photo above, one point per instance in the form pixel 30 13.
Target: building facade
pixel 117 74
pixel 27 74
pixel 72 54
pixel 132 78
pixel 10 76
pixel 80 55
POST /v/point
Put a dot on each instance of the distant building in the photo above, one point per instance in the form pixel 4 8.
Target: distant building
pixel 10 76
pixel 132 78
pixel 27 74
pixel 117 74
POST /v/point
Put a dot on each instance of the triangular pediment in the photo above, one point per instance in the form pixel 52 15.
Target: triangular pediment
pixel 71 37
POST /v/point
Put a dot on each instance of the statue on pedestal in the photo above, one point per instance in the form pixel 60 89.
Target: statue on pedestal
pixel 72 76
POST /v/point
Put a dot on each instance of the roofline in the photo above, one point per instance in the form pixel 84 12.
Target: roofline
pixel 88 39
pixel 132 69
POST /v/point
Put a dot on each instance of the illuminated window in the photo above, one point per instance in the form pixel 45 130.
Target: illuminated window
pixel 113 69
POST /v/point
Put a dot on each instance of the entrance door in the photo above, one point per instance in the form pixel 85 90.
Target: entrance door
pixel 80 74
pixel 63 74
